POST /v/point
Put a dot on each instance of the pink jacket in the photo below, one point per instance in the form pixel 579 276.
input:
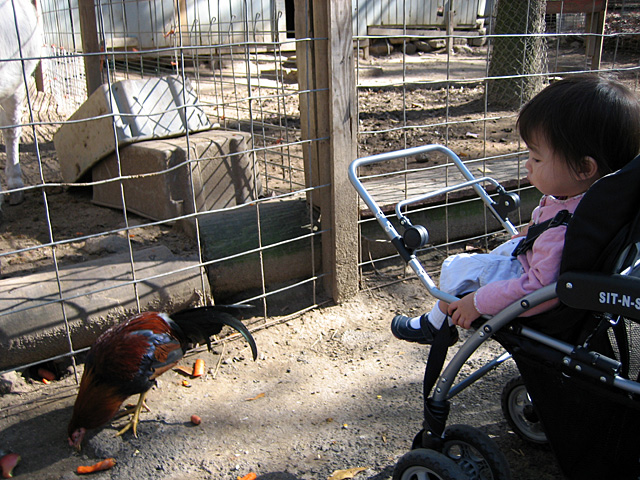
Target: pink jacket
pixel 541 264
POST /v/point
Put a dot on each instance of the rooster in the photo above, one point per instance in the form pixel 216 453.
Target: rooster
pixel 127 358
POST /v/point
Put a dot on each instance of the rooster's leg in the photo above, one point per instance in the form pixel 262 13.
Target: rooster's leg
pixel 129 409
pixel 133 423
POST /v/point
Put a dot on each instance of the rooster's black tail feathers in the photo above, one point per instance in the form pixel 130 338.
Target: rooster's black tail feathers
pixel 199 324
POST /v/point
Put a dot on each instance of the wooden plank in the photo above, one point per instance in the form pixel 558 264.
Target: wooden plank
pixel 576 6
pixel 321 165
pixel 306 61
pixel 389 190
pixel 89 33
pixel 280 227
pixel 595 24
pixel 395 31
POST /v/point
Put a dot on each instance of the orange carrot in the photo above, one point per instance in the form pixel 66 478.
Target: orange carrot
pixel 198 368
pixel 249 476
pixel 105 464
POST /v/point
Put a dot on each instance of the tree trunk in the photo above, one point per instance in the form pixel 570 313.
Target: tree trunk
pixel 519 58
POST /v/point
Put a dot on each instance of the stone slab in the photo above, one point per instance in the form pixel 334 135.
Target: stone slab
pixel 97 295
pixel 130 111
pixel 216 162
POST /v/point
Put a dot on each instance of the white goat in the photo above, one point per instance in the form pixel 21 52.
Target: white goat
pixel 20 38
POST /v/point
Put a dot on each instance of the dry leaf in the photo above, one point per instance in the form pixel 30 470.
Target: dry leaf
pixel 184 370
pixel 260 395
pixel 344 474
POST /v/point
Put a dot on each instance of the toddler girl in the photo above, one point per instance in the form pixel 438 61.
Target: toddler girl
pixel 577 130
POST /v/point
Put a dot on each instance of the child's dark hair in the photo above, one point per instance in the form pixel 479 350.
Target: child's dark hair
pixel 585 115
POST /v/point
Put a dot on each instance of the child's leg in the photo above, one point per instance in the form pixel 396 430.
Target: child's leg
pixel 423 329
pixel 460 274
pixel 507 247
pixel 437 316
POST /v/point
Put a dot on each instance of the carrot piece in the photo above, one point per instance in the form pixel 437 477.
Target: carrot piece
pixel 48 374
pixel 249 476
pixel 198 368
pixel 105 464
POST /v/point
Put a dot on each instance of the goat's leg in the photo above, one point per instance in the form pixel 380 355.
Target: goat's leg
pixel 12 107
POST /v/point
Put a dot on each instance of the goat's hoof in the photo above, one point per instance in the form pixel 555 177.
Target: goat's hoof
pixel 16 198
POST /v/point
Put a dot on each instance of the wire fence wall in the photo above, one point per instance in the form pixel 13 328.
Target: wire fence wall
pixel 424 86
pixel 219 214
pixel 238 220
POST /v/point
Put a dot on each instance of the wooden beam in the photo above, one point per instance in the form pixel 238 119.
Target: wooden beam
pixel 594 24
pixel 326 79
pixel 89 33
pixel 312 83
pixel 595 14
pixel 576 6
pixel 343 122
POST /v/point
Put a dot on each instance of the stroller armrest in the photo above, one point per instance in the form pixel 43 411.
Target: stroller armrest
pixel 615 294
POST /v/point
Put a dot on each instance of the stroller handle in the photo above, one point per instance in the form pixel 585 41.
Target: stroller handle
pixel 388 227
pixel 409 152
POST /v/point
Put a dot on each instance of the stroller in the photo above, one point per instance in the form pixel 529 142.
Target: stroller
pixel 579 363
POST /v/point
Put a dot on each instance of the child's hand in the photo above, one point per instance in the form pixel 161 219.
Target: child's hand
pixel 463 312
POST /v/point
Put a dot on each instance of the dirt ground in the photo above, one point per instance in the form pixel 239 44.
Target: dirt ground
pixel 331 390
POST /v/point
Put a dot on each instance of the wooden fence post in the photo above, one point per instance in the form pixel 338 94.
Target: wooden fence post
pixel 326 79
pixel 89 33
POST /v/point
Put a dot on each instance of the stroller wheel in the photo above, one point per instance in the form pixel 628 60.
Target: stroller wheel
pixel 475 453
pixel 519 413
pixel 424 464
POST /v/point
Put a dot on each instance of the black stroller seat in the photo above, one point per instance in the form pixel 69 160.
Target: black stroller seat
pixel 580 362
pixel 588 399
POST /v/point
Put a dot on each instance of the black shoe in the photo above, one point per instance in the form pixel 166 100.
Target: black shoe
pixel 401 329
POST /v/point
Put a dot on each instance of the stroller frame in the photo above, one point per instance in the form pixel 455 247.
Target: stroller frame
pixel 583 362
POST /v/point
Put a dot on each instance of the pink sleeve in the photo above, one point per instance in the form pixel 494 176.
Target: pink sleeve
pixel 541 265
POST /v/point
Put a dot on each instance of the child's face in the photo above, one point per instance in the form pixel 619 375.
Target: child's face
pixel 550 174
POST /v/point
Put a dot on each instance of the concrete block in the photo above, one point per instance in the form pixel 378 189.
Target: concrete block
pixel 221 172
pixel 129 111
pixel 32 326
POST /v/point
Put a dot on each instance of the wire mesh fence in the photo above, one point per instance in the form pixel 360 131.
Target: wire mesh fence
pixel 238 198
pixel 462 88
pixel 118 217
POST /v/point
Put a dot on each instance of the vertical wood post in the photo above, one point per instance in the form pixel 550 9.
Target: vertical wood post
pixel 326 79
pixel 594 23
pixel 450 25
pixel 89 33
